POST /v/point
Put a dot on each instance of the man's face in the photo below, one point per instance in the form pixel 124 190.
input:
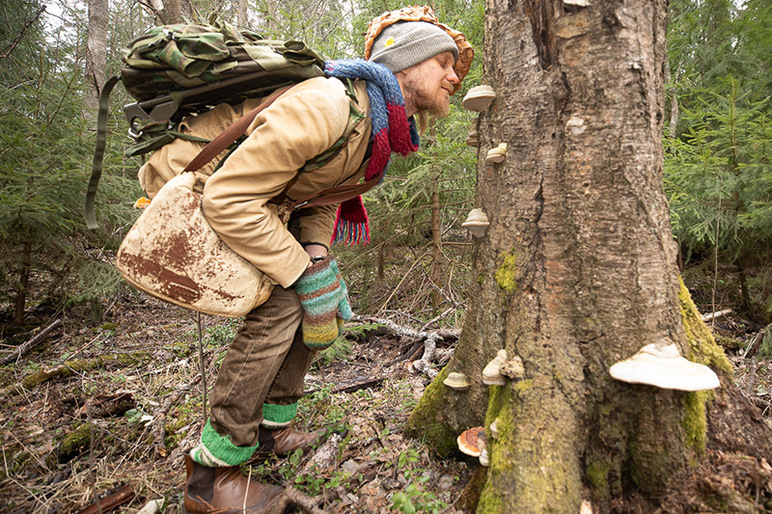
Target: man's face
pixel 427 85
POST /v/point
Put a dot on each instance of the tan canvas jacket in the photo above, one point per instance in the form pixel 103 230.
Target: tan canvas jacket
pixel 242 198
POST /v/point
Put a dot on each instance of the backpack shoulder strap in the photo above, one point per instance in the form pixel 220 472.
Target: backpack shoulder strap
pixel 99 153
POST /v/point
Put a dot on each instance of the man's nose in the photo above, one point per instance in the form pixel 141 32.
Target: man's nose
pixel 452 77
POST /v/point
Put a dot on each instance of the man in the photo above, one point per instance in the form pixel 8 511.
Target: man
pixel 411 70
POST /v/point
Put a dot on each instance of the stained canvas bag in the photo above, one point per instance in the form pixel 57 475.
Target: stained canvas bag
pixel 172 253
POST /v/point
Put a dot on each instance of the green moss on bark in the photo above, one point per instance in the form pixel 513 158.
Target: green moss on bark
pixel 426 422
pixel 703 346
pixel 695 422
pixel 704 350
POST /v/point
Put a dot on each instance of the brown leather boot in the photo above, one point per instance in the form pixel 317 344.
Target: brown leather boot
pixel 285 440
pixel 227 491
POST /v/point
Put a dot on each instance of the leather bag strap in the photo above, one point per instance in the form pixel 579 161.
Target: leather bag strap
pixel 231 134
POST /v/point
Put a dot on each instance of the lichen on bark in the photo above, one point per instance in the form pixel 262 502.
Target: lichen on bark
pixel 506 273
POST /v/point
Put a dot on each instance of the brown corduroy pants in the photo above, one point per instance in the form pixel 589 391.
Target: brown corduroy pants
pixel 266 363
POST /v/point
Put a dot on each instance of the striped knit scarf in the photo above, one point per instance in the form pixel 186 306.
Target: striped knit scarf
pixel 392 132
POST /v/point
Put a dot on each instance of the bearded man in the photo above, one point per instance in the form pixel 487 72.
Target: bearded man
pixel 413 65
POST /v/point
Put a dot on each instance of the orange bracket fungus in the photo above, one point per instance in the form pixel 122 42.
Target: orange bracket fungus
pixel 472 441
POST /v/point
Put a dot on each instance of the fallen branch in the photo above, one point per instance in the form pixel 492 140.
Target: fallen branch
pixel 24 348
pixel 118 498
pixel 715 315
pixel 430 339
pixel 66 369
pixel 324 456
pixel 304 502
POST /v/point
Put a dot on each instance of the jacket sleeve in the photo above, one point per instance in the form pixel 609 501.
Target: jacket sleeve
pixel 316 224
pixel 298 126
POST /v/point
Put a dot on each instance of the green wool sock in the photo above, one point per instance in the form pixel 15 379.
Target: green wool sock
pixel 277 416
pixel 217 450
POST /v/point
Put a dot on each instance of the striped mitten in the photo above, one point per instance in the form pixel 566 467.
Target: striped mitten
pixel 323 299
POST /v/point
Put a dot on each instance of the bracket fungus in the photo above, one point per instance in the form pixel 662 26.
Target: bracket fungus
pixel 472 441
pixel 661 365
pixel 491 374
pixel 473 139
pixel 477 222
pixel 494 428
pixel 513 368
pixel 457 381
pixel 478 98
pixel 496 155
pixel 484 460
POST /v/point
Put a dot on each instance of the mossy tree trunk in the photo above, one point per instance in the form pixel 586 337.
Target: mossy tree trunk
pixel 578 267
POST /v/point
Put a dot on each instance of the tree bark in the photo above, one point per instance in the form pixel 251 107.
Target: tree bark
pixel 96 53
pixel 176 11
pixel 242 18
pixel 20 301
pixel 577 270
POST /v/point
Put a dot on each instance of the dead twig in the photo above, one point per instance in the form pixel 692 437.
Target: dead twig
pixel 755 345
pixel 23 348
pixel 159 416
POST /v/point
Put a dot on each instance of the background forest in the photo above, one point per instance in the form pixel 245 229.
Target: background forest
pixel 717 159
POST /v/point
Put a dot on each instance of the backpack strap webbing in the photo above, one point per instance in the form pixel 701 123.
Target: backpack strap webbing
pixel 96 169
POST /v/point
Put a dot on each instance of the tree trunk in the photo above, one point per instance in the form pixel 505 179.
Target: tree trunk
pixel 21 294
pixel 577 270
pixel 96 53
pixel 242 19
pixel 176 11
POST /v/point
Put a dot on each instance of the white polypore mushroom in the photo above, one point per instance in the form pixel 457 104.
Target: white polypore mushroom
pixel 491 374
pixel 513 368
pixel 496 155
pixel 477 222
pixel 484 460
pixel 457 381
pixel 478 98
pixel 494 428
pixel 661 365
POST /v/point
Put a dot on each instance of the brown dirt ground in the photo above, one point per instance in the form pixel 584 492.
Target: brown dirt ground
pixel 153 373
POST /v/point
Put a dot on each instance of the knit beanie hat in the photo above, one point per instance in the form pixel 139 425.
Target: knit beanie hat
pixel 406 44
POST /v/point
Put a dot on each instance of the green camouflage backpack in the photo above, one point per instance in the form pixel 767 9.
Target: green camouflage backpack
pixel 177 70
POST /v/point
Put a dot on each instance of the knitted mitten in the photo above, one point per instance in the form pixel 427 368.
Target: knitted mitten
pixel 342 316
pixel 323 299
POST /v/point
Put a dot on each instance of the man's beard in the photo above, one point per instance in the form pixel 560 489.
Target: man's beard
pixel 435 105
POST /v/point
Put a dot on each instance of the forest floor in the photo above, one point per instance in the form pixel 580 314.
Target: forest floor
pixel 112 408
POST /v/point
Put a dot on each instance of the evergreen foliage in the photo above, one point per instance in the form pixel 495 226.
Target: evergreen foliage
pixel 717 164
pixel 48 256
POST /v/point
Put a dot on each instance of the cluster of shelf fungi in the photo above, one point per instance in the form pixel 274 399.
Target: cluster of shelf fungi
pixel 659 364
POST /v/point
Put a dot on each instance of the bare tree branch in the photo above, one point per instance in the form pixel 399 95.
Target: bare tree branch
pixel 8 49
